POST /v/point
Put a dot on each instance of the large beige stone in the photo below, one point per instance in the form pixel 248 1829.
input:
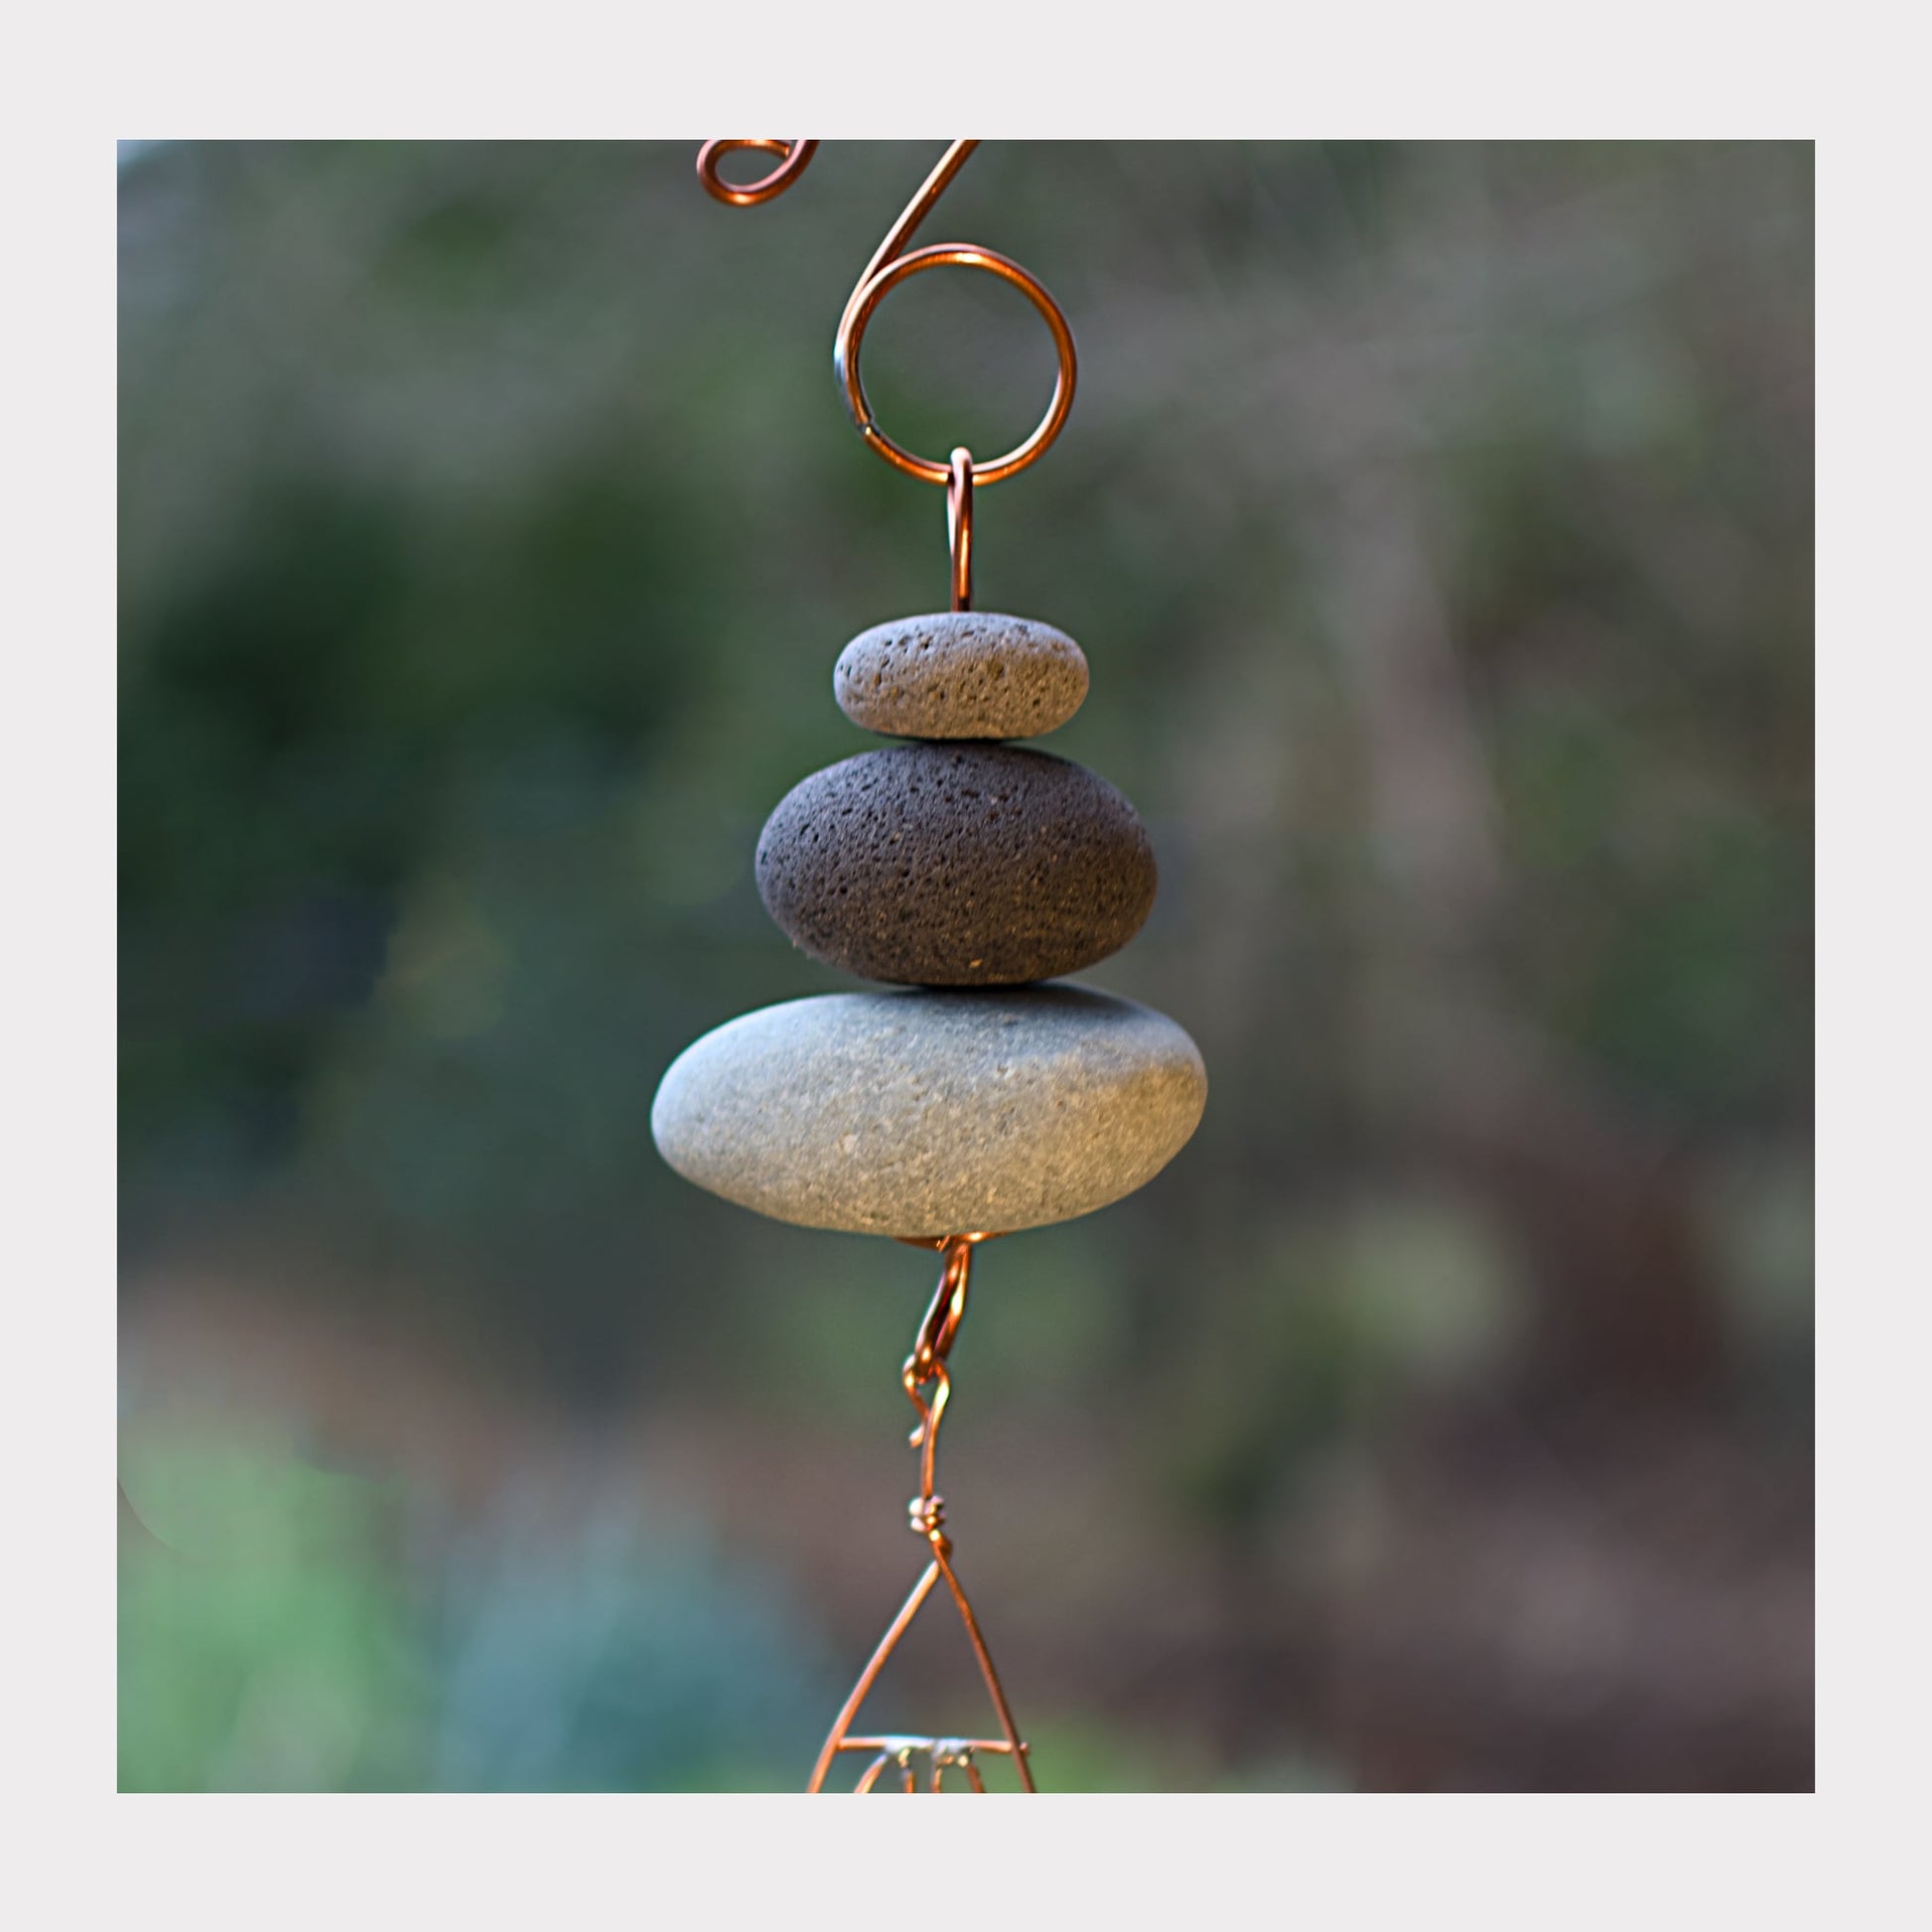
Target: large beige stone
pixel 927 1113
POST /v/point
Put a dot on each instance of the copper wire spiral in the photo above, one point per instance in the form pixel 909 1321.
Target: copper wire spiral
pixel 891 265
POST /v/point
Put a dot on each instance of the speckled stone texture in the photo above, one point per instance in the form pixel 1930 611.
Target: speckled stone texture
pixel 923 1114
pixel 960 674
pixel 956 864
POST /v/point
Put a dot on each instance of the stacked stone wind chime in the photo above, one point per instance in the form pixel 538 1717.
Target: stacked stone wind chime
pixel 982 1095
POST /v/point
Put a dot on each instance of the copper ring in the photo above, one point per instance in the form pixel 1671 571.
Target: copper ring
pixel 845 357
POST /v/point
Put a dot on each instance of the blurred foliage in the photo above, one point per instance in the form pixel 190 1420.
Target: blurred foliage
pixel 276 1653
pixel 1436 519
pixel 282 1646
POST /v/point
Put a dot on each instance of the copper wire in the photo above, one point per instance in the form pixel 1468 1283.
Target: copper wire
pixel 797 154
pixel 959 528
pixel 928 1384
pixel 891 266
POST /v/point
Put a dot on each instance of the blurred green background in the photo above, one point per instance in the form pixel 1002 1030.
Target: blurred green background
pixel 1437 522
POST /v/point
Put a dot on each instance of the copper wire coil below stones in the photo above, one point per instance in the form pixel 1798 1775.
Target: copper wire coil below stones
pixel 914 1113
pixel 960 674
pixel 941 865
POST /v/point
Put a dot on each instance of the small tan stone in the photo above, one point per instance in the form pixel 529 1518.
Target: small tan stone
pixel 918 1113
pixel 960 674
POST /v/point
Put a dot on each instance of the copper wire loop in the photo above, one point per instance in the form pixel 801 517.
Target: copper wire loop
pixel 797 154
pixel 888 267
pixel 959 528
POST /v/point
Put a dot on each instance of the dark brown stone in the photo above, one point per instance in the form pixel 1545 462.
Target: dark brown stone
pixel 956 864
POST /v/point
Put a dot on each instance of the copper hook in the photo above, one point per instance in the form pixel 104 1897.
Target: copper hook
pixel 959 528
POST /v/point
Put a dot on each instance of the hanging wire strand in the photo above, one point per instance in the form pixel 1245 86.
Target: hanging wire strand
pixel 928 1384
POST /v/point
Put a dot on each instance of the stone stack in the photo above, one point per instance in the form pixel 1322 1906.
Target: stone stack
pixel 966 870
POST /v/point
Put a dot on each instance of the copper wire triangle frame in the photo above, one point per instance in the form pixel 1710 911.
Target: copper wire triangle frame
pixel 927 1386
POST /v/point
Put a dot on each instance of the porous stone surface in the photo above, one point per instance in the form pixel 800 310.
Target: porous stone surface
pixel 960 674
pixel 956 864
pixel 926 1114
